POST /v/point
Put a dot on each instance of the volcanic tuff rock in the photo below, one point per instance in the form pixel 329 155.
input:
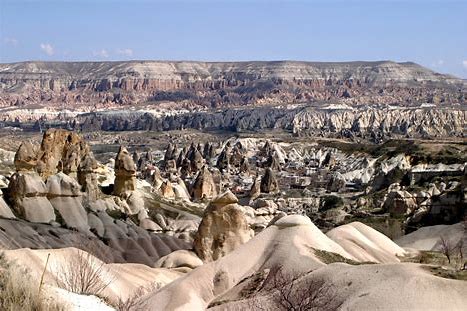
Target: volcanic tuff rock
pixel 61 150
pixel 28 193
pixel 87 177
pixel 125 172
pixel 26 157
pixel 223 228
pixel 93 84
pixel 203 186
pixel 5 210
pixel 342 121
pixel 268 182
pixel 64 193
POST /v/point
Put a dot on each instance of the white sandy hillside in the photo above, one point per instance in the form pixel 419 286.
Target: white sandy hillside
pixel 383 287
pixel 123 279
pixel 290 243
pixel 365 243
pixel 427 238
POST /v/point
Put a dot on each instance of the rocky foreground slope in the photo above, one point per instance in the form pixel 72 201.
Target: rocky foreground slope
pixel 220 84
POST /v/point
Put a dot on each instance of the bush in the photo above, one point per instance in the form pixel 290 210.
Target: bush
pixel 17 291
pixel 292 291
pixel 132 301
pixel 83 274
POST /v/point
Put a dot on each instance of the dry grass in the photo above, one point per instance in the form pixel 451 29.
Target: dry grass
pixel 291 291
pixel 17 292
pixel 82 273
pixel 132 301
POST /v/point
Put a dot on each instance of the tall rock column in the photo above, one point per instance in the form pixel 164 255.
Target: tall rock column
pixel 125 173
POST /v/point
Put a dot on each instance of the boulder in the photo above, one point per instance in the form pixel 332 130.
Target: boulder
pixel 223 161
pixel 157 179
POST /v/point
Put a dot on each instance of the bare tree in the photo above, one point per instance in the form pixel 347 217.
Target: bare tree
pixel 82 273
pixel 295 292
pixel 446 247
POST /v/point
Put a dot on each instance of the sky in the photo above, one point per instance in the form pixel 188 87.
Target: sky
pixel 431 33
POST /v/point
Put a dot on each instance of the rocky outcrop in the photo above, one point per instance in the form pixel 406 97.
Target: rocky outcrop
pixel 166 190
pixel 26 157
pixel 5 210
pixel 64 193
pixel 125 173
pixel 29 197
pixel 399 202
pixel 61 151
pixel 93 84
pixel 87 177
pixel 223 228
pixel 269 182
pixel 203 186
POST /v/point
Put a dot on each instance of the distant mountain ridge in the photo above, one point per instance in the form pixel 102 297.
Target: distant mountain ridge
pixel 191 84
pixel 369 71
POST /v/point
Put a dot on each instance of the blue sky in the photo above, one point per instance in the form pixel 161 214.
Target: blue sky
pixel 432 33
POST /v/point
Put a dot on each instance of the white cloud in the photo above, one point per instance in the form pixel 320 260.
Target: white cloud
pixel 464 63
pixel 102 53
pixel 47 48
pixel 11 41
pixel 125 52
pixel 438 63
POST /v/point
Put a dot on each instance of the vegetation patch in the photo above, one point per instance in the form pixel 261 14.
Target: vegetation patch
pixel 447 273
pixel 17 291
pixel 330 257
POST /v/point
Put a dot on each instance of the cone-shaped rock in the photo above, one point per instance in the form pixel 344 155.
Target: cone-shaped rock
pixel 203 186
pixel 223 160
pixel 268 182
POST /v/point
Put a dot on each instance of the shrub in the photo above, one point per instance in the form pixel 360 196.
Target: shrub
pixel 82 273
pixel 132 301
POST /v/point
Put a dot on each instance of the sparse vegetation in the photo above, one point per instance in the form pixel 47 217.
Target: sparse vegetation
pixel 18 293
pixel 446 248
pixel 132 301
pixel 82 273
pixel 330 257
pixel 294 291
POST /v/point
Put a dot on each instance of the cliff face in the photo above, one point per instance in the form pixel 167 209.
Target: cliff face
pixel 202 84
pixel 376 124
